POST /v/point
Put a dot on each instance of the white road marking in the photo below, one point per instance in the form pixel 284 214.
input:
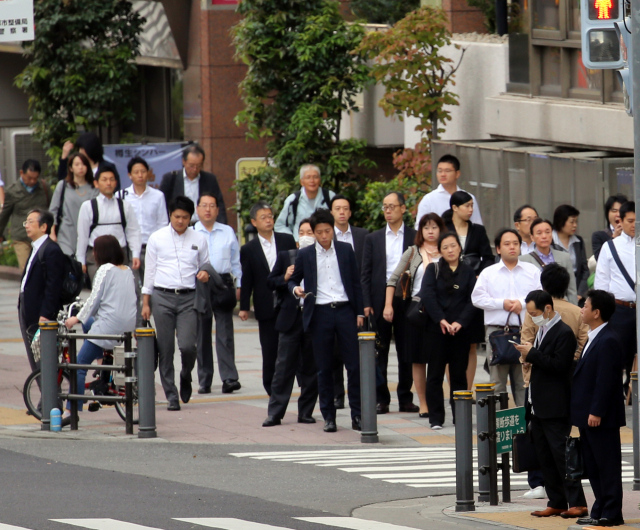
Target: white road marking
pixel 230 523
pixel 353 523
pixel 103 524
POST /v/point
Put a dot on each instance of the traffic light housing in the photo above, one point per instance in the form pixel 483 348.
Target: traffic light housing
pixel 600 40
pixel 623 30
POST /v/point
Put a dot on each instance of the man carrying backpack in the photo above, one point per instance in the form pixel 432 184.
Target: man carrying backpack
pixel 301 204
pixel 107 215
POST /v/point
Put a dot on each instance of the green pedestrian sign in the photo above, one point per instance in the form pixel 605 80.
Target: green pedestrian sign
pixel 509 422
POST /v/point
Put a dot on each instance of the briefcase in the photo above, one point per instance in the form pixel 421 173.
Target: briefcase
pixel 524 453
pixel 575 469
pixel 503 351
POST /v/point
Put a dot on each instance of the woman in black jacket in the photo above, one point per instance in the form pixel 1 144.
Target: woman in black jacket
pixel 446 295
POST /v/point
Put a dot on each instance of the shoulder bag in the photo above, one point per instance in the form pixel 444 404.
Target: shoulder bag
pixel 503 351
pixel 525 457
pixel 403 287
pixel 416 314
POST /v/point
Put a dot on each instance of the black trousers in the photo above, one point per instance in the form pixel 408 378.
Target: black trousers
pixel 549 437
pixel 269 344
pixel 405 368
pixel 623 324
pixel 326 324
pixel 295 355
pixel 338 373
pixel 454 351
pixel 602 457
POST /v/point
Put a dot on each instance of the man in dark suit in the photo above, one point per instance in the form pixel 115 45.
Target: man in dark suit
pixel 258 258
pixel 295 348
pixel 389 242
pixel 193 182
pixel 41 285
pixel 551 358
pixel 333 305
pixel 597 409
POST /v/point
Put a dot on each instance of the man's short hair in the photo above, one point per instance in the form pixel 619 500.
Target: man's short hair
pixel 105 169
pixel 182 203
pixel 207 194
pixel 401 199
pixel 562 214
pixel 305 220
pixel 618 197
pixel 517 216
pixel 540 299
pixel 44 217
pixel 31 165
pixel 320 217
pixel 137 160
pixel 450 159
pixel 339 197
pixel 307 167
pixel 627 207
pixel 260 205
pixel 555 279
pixel 504 231
pixel 538 221
pixel 92 145
pixel 602 301
pixel 193 149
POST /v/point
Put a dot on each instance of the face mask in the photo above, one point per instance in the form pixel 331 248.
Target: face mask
pixel 306 241
pixel 540 320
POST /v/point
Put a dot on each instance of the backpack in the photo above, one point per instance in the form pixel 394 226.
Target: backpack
pixel 95 223
pixel 72 278
pixel 296 200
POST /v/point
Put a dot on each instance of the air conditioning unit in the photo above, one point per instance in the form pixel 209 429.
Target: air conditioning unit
pixel 19 145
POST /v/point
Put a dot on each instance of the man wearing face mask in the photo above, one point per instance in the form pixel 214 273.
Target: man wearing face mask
pixel 295 350
pixel 549 403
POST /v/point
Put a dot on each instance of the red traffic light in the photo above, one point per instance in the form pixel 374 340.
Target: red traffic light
pixel 603 9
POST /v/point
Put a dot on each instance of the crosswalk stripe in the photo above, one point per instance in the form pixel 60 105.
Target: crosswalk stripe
pixel 394 468
pixel 11 527
pixel 103 524
pixel 353 523
pixel 230 523
pixel 345 452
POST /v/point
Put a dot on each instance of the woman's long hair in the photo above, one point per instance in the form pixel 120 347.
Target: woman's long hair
pixel 107 249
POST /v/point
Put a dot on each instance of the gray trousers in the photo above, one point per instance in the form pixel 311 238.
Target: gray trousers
pixel 500 373
pixel 175 315
pixel 225 348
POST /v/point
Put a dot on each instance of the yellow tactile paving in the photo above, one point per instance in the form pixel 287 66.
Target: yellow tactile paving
pixel 15 417
pixel 524 520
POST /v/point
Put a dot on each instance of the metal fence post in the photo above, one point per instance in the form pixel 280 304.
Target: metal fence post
pixel 146 382
pixel 73 380
pixel 483 391
pixel 464 451
pixel 48 370
pixel 493 451
pixel 505 465
pixel 367 343
pixel 636 431
pixel 128 383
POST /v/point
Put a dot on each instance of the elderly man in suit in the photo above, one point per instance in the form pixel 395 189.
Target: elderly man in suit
pixel 597 409
pixel 544 254
pixel 333 306
pixel 41 285
pixel 193 182
pixel 257 259
pixel 390 242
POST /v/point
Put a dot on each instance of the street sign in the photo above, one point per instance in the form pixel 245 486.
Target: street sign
pixel 16 20
pixel 509 422
pixel 600 42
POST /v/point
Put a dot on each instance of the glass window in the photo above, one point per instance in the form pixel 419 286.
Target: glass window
pixel 550 66
pixel 546 14
pixel 582 77
pixel 574 15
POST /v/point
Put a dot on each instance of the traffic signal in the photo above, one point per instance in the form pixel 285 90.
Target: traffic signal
pixel 600 40
pixel 623 30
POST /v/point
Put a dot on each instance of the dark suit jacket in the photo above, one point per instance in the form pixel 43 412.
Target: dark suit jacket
pixel 359 235
pixel 582 265
pixel 255 270
pixel 44 285
pixel 307 269
pixel 598 239
pixel 172 185
pixel 597 383
pixel 477 245
pixel 552 366
pixel 289 303
pixel 374 267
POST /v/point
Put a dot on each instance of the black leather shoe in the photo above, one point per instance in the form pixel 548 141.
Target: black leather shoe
pixel 173 406
pixel 382 409
pixel 338 403
pixel 409 407
pixel 610 522
pixel 271 421
pixel 306 419
pixel 584 521
pixel 230 385
pixel 205 390
pixel 356 423
pixel 330 426
pixel 423 415
pixel 185 390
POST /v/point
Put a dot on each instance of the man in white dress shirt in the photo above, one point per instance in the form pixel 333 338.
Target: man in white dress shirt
pixel 522 219
pixel 175 255
pixel 620 282
pixel 224 255
pixel 107 215
pixel 500 291
pixel 437 201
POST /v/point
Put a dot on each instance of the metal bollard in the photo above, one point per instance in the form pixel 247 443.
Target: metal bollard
pixel 48 371
pixel 505 465
pixel 483 391
pixel 493 451
pixel 367 342
pixel 73 381
pixel 129 356
pixel 464 451
pixel 636 431
pixel 146 383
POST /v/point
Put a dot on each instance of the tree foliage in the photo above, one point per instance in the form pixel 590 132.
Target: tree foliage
pixel 383 11
pixel 81 73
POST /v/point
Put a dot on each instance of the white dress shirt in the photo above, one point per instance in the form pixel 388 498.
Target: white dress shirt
pixel 526 248
pixel 35 246
pixel 108 224
pixel 437 201
pixel 173 260
pixel 591 336
pixel 269 249
pixel 150 209
pixel 192 190
pixel 497 283
pixel 224 250
pixel 394 250
pixel 346 236
pixel 417 280
pixel 330 286
pixel 608 275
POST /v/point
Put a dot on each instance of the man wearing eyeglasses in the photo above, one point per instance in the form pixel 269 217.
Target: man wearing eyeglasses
pixel 437 201
pixel 390 242
pixel 522 219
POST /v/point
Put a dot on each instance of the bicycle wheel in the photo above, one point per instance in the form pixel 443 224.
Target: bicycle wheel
pixel 32 395
pixel 120 407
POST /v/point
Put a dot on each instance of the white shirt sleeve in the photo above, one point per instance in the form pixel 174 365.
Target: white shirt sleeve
pixel 133 233
pixel 481 298
pixel 603 269
pixel 475 216
pixel 150 265
pixel 422 210
pixel 163 218
pixel 84 224
pixel 203 251
pixel 236 268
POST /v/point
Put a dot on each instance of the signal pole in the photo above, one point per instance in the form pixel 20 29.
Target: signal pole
pixel 635 89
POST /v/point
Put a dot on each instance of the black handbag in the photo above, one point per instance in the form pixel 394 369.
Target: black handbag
pixel 473 260
pixel 503 351
pixel 225 299
pixel 416 314
pixel 524 453
pixel 575 469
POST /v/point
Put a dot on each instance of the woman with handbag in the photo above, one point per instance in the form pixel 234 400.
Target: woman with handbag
pixel 446 292
pixel 407 281
pixel 476 252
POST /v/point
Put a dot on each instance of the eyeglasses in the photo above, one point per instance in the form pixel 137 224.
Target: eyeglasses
pixel 29 222
pixel 527 220
pixel 207 206
pixel 446 171
pixel 265 217
pixel 389 207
